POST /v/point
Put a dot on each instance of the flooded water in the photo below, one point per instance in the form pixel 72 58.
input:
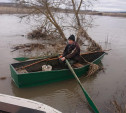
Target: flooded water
pixel 67 96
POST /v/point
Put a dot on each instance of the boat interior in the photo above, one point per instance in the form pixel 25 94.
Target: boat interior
pixel 56 64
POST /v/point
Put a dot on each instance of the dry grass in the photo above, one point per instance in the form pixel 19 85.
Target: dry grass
pixel 41 49
pixel 118 103
pixel 28 47
pixel 118 108
pixel 13 10
pixel 37 34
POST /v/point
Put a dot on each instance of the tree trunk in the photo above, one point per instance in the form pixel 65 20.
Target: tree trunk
pixel 54 22
pixel 81 31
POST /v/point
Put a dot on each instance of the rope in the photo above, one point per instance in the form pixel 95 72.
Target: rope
pixel 92 68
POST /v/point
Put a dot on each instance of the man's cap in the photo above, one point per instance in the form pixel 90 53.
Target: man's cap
pixel 72 37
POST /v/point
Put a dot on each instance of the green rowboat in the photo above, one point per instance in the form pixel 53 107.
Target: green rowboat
pixel 34 75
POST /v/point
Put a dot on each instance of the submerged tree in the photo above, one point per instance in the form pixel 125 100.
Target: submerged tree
pixel 81 23
pixel 53 24
pixel 47 8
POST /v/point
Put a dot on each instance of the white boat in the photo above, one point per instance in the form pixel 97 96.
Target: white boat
pixel 11 104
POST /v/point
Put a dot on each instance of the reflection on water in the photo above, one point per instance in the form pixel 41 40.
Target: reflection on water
pixel 67 96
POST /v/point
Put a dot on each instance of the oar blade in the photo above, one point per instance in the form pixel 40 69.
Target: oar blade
pixel 44 57
pixel 21 58
pixel 91 103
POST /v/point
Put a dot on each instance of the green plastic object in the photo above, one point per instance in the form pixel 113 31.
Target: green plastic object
pixel 21 59
pixel 91 103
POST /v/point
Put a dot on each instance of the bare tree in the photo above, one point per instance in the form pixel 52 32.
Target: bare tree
pixel 46 8
pixel 80 26
pixel 50 21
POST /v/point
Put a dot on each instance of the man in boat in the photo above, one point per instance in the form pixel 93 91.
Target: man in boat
pixel 72 51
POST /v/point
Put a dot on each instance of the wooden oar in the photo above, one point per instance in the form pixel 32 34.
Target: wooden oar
pixel 96 51
pixel 22 58
pixel 26 58
pixel 91 103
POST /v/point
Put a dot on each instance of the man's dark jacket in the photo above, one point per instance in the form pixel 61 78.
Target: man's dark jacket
pixel 72 51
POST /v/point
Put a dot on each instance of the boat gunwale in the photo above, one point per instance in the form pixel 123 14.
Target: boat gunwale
pixel 39 106
pixel 54 70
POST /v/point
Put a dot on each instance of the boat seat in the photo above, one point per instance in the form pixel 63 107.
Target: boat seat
pixel 77 65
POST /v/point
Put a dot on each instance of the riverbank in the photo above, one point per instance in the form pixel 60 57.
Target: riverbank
pixel 114 14
pixel 13 10
pixel 18 9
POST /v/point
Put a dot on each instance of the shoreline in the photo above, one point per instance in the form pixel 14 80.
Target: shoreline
pixel 24 10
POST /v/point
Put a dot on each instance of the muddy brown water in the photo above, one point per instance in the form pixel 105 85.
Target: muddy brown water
pixel 67 96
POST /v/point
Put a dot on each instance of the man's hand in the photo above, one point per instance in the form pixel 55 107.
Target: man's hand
pixel 63 58
pixel 60 56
